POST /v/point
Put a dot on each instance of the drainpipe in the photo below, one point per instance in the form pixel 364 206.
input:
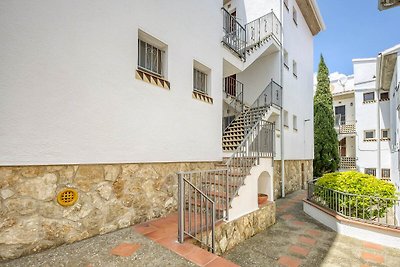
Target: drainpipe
pixel 378 110
pixel 281 122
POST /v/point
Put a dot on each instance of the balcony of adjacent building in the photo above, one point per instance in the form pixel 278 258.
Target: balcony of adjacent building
pixel 347 153
pixel 344 126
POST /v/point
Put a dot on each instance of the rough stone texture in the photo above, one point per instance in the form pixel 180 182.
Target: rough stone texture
pixel 110 197
pixel 228 235
pixel 295 178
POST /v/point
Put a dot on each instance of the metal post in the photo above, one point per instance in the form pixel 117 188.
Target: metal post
pixel 213 228
pixel 181 196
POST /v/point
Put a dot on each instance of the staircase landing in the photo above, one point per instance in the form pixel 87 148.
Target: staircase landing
pixel 164 231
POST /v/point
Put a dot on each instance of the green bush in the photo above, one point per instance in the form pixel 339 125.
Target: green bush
pixel 367 196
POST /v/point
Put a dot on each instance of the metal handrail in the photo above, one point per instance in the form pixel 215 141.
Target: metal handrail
pixel 237 96
pixel 187 227
pixel 378 210
pixel 262 28
pixel 234 34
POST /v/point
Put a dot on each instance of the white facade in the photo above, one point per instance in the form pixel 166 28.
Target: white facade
pixel 68 90
pixel 371 104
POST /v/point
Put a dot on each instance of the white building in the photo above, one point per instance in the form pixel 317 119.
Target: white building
pixel 366 118
pixel 112 100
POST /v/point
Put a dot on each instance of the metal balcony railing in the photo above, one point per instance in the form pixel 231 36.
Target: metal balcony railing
pixel 234 34
pixel 242 39
pixel 368 209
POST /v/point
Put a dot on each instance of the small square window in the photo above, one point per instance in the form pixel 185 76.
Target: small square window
pixel 294 122
pixel 385 134
pixel 295 68
pixel 286 2
pixel 385 173
pixel 295 16
pixel 384 96
pixel 370 171
pixel 369 135
pixel 286 59
pixel 285 118
pixel 369 97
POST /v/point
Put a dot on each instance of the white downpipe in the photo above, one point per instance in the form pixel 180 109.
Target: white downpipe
pixel 281 121
pixel 379 154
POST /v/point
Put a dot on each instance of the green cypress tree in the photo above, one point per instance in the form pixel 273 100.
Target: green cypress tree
pixel 326 153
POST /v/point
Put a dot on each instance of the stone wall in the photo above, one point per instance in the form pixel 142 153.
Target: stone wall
pixel 295 178
pixel 228 235
pixel 110 197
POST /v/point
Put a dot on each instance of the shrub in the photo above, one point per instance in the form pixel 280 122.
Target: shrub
pixel 367 196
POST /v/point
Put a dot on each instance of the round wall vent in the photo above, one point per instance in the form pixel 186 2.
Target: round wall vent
pixel 67 197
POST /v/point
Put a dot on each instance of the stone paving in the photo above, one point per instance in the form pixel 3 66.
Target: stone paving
pixel 298 240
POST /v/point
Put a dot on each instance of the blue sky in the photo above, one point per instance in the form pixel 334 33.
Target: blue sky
pixel 354 29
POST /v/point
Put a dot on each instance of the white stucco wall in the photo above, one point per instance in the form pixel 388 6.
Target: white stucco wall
pixel 367 116
pixel 68 92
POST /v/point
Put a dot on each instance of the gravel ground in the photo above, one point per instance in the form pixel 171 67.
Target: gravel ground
pixel 95 251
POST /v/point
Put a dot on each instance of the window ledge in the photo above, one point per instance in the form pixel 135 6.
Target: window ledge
pixel 370 140
pixel 202 97
pixel 152 79
pixel 369 101
pixel 384 99
pixel 385 139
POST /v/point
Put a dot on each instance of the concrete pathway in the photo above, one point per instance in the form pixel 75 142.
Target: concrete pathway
pixel 120 248
pixel 298 240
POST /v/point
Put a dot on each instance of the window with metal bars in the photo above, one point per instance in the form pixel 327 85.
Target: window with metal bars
pixel 370 171
pixel 385 173
pixel 200 81
pixel 150 58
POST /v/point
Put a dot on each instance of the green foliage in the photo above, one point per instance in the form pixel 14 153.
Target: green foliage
pixel 326 153
pixel 368 197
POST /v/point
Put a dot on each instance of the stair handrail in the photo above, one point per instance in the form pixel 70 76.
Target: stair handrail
pixel 234 34
pixel 181 214
pixel 238 97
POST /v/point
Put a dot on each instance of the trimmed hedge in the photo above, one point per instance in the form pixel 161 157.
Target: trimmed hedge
pixel 367 188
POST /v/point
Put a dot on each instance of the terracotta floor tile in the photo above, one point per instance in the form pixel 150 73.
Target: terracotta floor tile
pixel 156 235
pixel 175 246
pixel 298 223
pixel 287 217
pixel 289 261
pixel 160 223
pixel 299 250
pixel 313 232
pixel 307 240
pixel 372 246
pixel 125 249
pixel 144 228
pixel 221 262
pixel 200 256
pixel 372 257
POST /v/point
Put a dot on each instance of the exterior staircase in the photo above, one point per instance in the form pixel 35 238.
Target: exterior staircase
pixel 205 197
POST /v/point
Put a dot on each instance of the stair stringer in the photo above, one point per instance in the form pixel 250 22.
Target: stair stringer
pixel 235 65
pixel 247 199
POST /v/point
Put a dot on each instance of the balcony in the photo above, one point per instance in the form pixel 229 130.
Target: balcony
pixel 347 163
pixel 243 39
pixel 344 126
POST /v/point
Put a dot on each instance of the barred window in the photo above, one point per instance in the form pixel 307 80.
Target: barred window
pixel 200 81
pixel 370 171
pixel 286 59
pixel 285 118
pixel 150 58
pixel 385 134
pixel 294 122
pixel 384 96
pixel 385 173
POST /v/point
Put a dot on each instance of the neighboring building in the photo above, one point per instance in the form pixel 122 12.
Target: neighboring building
pixel 356 102
pixel 386 4
pixel 108 101
pixel 366 116
pixel 388 83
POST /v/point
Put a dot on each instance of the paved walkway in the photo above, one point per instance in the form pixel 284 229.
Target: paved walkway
pixel 298 240
pixel 120 248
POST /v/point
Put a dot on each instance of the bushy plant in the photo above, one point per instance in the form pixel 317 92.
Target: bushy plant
pixel 367 197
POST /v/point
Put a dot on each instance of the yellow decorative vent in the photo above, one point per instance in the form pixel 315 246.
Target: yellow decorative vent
pixel 67 197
